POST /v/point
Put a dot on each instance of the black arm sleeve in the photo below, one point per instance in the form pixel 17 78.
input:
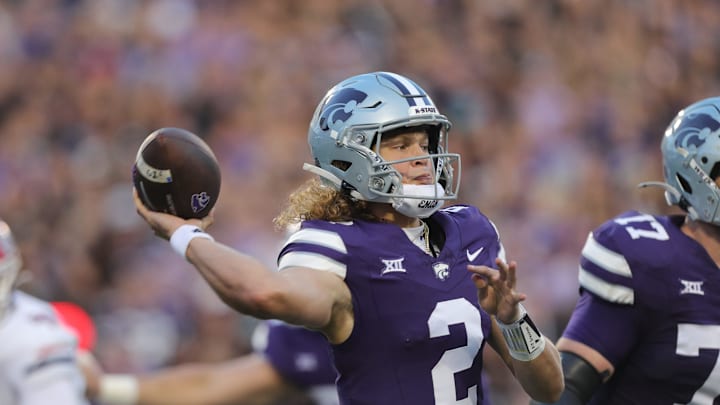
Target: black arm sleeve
pixel 581 380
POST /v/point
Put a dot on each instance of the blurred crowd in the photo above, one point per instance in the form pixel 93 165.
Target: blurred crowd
pixel 558 110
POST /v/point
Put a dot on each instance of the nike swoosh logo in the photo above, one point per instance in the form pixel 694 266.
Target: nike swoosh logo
pixel 472 256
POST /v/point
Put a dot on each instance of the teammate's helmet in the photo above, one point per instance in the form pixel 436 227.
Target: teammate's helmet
pixel 10 265
pixel 691 160
pixel 348 126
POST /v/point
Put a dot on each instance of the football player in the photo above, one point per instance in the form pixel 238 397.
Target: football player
pixel 290 363
pixel 407 293
pixel 38 354
pixel 646 328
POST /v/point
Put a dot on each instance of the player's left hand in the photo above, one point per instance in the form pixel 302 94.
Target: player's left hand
pixel 165 224
pixel 496 290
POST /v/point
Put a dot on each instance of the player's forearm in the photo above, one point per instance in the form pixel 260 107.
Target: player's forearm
pixel 246 285
pixel 533 358
pixel 249 379
pixel 240 280
pixel 238 381
pixel 186 384
pixel 197 384
pixel 541 377
pixel 179 386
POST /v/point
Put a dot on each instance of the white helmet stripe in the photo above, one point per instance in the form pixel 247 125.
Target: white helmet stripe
pixel 409 88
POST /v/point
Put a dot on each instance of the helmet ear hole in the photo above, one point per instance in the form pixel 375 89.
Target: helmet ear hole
pixel 715 171
pixel 684 184
pixel 434 138
pixel 342 164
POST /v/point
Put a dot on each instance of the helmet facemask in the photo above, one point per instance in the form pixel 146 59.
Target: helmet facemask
pixel 421 201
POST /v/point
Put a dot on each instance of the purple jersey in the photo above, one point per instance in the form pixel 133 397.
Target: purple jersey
pixel 650 303
pixel 419 331
pixel 300 355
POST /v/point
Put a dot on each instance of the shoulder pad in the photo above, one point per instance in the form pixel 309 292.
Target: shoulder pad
pixel 616 254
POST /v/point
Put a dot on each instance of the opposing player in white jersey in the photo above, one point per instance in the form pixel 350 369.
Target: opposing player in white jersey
pixel 38 363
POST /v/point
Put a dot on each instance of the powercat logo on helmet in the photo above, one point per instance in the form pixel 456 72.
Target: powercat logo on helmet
pixel 339 107
pixel 694 130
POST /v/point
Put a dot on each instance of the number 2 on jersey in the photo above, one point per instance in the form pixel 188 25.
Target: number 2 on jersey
pixel 446 313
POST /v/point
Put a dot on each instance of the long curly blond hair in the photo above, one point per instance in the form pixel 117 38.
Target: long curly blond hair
pixel 314 200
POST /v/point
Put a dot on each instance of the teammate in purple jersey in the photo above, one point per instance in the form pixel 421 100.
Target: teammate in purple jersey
pixel 646 329
pixel 301 356
pixel 407 293
pixel 289 365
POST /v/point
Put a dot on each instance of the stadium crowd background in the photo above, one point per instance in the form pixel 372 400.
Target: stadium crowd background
pixel 558 109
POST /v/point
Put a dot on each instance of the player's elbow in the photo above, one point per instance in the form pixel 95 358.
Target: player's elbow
pixel 262 298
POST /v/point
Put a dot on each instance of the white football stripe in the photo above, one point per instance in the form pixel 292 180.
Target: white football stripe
pixel 312 261
pixel 162 176
pixel 607 259
pixel 610 292
pixel 424 101
pixel 318 237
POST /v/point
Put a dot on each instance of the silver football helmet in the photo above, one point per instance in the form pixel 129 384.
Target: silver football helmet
pixel 347 128
pixel 10 265
pixel 691 160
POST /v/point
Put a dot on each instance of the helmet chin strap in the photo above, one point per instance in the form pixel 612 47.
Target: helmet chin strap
pixel 672 196
pixel 425 200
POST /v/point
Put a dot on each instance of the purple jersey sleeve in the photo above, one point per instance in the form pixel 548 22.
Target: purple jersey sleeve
pixel 650 304
pixel 418 329
pixel 300 355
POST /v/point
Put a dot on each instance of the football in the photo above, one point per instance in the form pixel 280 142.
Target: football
pixel 176 172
